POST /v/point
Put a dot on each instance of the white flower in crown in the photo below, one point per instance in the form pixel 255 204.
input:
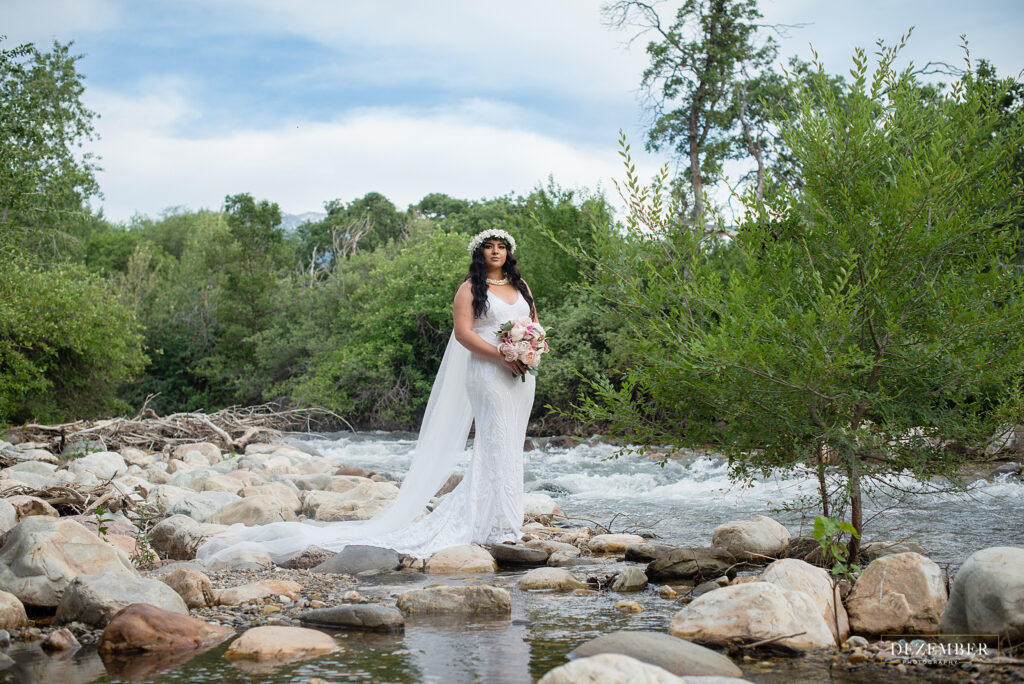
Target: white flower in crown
pixel 490 234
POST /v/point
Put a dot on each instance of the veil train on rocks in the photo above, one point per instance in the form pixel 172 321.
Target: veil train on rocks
pixel 486 507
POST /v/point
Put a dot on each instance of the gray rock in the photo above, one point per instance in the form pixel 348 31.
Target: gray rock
pixel 37 467
pixel 564 557
pixel 162 533
pixel 678 656
pixel 704 588
pixel 360 558
pixel 477 599
pixel 308 558
pixel 367 617
pixel 192 585
pixel 751 612
pixel 610 668
pixel 93 599
pixel 517 555
pixel 645 553
pixel 12 612
pixel 873 550
pixel 630 579
pixel 557 579
pixel 8 516
pixel 987 596
pixel 759 539
pixel 105 465
pixel 690 563
pixel 312 482
pixel 202 506
pixel 43 555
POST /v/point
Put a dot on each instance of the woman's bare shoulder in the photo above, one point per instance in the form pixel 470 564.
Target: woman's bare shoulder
pixel 465 290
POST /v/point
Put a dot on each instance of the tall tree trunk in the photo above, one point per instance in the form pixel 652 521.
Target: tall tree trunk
pixel 695 179
pixel 856 504
pixel 822 487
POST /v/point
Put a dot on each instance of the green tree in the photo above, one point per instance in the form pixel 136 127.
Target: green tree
pixel 66 344
pixel 45 179
pixel 694 80
pixel 870 319
pixel 248 268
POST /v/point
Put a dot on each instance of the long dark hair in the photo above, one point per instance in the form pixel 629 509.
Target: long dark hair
pixel 478 281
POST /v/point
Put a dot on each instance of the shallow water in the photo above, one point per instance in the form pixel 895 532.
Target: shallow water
pixel 681 503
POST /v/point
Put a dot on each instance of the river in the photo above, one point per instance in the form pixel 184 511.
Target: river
pixel 680 502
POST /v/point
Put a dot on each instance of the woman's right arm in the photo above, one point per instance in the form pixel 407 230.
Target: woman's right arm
pixel 462 315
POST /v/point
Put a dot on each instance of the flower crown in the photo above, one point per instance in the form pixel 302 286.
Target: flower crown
pixel 489 234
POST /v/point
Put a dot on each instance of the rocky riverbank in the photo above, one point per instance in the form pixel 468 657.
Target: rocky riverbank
pixel 88 540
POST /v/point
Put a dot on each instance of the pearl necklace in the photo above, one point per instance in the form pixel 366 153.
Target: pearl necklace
pixel 503 281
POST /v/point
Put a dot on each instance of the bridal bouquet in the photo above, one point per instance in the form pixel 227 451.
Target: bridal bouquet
pixel 523 340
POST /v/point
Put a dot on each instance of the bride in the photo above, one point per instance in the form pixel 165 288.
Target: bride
pixel 475 384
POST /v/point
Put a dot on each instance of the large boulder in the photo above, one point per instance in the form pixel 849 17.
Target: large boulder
pixel 105 465
pixel 253 510
pixel 161 497
pixel 141 628
pixel 796 575
pixel 645 553
pixel 465 558
pixel 753 612
pixel 280 644
pixel 94 599
pixel 902 593
pixel 359 503
pixel 690 564
pixel 193 586
pixel 987 596
pixel 278 490
pixel 609 668
pixel 12 611
pixel 613 543
pixel 202 506
pixel 477 599
pixel 366 617
pixel 43 555
pixel 678 656
pixel 554 579
pixel 753 539
pixel 358 558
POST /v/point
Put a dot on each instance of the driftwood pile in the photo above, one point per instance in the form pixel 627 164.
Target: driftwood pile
pixel 231 429
pixel 75 499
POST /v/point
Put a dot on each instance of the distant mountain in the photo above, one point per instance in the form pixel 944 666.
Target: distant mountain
pixel 292 221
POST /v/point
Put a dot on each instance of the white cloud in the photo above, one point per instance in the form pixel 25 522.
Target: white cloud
pixel 474 149
pixel 40 22
pixel 537 45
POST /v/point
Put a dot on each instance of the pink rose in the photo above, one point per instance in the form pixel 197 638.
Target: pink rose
pixel 517 332
pixel 507 350
pixel 531 358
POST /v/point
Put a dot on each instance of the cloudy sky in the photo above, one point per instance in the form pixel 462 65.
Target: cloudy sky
pixel 305 101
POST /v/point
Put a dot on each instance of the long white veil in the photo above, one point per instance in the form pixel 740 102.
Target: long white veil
pixel 441 441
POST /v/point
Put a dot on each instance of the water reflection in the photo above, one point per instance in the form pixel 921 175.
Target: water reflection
pixel 32 665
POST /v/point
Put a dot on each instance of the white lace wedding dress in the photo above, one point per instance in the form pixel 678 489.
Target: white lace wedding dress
pixel 485 508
